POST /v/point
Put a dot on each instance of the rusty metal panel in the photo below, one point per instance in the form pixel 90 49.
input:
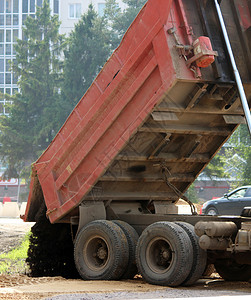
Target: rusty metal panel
pixel 148 109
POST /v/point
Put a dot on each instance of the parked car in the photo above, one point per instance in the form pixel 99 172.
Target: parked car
pixel 231 203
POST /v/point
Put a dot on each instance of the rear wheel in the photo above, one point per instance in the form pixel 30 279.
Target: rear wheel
pixel 132 239
pixel 199 255
pixel 164 254
pixel 101 251
pixel 231 271
pixel 212 211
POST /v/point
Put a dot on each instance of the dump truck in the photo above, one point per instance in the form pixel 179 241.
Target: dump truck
pixel 104 193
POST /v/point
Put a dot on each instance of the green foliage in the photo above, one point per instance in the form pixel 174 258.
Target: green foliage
pixel 121 20
pixel 247 168
pixel 191 194
pixel 216 168
pixel 88 49
pixel 14 261
pixel 235 161
pixel 35 111
pixel 241 137
pixel 238 155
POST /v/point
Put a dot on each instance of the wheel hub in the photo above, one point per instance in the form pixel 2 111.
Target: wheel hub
pixel 102 253
pixel 96 253
pixel 159 255
pixel 166 255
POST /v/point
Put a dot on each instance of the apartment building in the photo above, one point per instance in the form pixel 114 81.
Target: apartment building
pixel 71 10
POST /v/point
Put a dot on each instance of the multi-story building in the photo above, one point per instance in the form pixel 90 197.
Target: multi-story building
pixel 71 10
pixel 13 13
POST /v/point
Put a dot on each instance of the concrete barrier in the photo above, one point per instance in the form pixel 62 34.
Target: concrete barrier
pixel 10 210
pixel 23 208
pixel 184 209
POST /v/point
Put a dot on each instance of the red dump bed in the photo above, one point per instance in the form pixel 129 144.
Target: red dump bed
pixel 150 109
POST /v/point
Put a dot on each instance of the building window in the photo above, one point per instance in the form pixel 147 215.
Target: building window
pixel 16 6
pixel 1 6
pixel 8 49
pixel 32 6
pixel 8 20
pixel 101 9
pixel 15 20
pixel 75 11
pixel 8 36
pixel 8 78
pixel 56 6
pixel 1 101
pixel 25 6
pixel 8 6
pixel 7 65
pixel 15 35
pixel 1 65
pixel 1 35
pixel 1 49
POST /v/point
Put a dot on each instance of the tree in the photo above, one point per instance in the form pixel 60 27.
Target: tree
pixel 191 194
pixel 235 161
pixel 121 20
pixel 240 143
pixel 88 49
pixel 247 168
pixel 34 113
pixel 216 168
pixel 90 44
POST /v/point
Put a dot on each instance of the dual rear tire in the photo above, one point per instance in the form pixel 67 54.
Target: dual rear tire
pixel 166 253
pixel 105 250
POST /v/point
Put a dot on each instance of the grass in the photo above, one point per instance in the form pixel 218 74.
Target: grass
pixel 13 262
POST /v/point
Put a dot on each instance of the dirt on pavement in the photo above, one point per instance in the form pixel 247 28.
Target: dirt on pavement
pixel 12 232
pixel 25 288
pixel 22 287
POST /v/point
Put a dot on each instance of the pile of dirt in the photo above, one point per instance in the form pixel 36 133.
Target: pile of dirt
pixel 51 250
